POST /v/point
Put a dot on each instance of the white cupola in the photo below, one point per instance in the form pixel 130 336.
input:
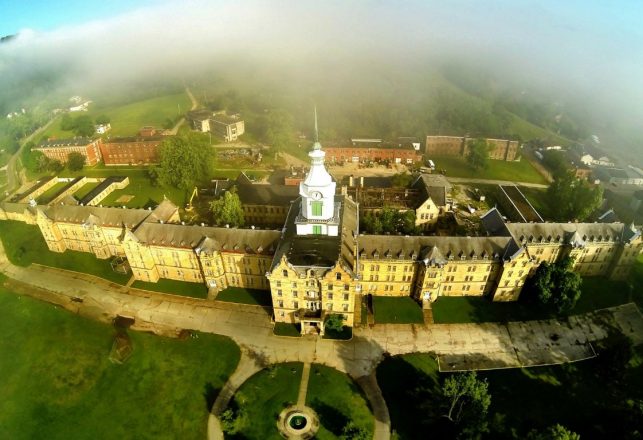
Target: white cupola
pixel 319 213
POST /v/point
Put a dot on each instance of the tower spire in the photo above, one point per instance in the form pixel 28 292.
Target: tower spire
pixel 316 129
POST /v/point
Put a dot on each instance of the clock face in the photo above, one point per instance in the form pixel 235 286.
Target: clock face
pixel 316 195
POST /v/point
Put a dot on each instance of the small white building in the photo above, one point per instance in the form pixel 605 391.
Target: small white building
pixel 102 128
pixel 81 107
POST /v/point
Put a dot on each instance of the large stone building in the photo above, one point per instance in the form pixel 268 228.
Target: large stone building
pixel 499 149
pixel 319 264
pixel 60 149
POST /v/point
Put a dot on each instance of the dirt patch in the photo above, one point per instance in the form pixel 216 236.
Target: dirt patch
pixel 125 198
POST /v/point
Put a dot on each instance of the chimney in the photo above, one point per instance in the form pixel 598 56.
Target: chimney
pixel 351 181
pixel 361 181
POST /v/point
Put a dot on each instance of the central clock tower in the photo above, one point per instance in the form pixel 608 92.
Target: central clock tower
pixel 319 213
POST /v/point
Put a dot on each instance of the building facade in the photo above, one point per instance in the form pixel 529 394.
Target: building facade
pixel 368 150
pixel 60 149
pixel 131 150
pixel 319 264
pixel 499 149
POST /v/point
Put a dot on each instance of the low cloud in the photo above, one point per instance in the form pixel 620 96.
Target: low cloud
pixel 543 44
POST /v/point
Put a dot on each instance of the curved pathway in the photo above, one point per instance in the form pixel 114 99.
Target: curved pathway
pixel 458 346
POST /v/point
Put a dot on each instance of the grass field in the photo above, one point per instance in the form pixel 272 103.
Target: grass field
pixel 521 399
pixel 58 382
pixel 539 200
pixel 48 195
pixel 396 310
pixel 333 395
pixel 175 287
pixel 597 293
pixel 24 245
pixel 337 400
pixel 527 130
pixel 85 189
pixel 127 119
pixel 262 397
pixel 140 186
pixel 521 171
pixel 286 329
pixel 245 296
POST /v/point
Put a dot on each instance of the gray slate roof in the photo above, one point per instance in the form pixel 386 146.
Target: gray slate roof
pixel 432 248
pixel 261 194
pixel 208 239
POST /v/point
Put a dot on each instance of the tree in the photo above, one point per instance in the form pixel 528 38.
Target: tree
pixel 401 180
pixel 75 161
pixel 227 209
pixel 353 432
pixel 478 155
pixel 556 285
pixel 614 354
pixel 467 401
pixel 84 126
pixel 555 161
pixel 280 128
pixel 573 198
pixel 183 161
pixel 67 123
pixel 103 119
pixel 555 432
pixel 372 223
pixel 334 322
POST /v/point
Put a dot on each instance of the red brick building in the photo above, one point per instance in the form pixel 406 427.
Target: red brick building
pixel 59 149
pixel 499 149
pixel 131 150
pixel 365 150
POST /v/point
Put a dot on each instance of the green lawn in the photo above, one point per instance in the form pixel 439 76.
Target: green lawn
pixel 48 195
pixel 175 287
pixel 24 245
pixel 127 119
pixel 286 329
pixel 262 397
pixel 333 395
pixel 597 293
pixel 245 296
pixel 575 395
pixel 85 189
pixel 58 382
pixel 527 130
pixel 396 310
pixel 521 171
pixel 539 200
pixel 140 186
pixel 345 335
pixel 337 400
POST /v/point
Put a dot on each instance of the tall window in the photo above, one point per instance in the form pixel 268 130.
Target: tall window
pixel 317 230
pixel 317 208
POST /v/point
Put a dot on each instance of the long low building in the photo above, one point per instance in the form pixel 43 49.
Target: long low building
pixel 499 149
pixel 138 150
pixel 319 264
pixel 403 151
pixel 60 149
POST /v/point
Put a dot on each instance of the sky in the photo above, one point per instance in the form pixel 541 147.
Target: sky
pixel 592 46
pixel 47 15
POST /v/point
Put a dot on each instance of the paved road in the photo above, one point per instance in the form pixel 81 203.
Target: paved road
pixel 175 129
pixel 13 175
pixel 458 346
pixel 494 182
